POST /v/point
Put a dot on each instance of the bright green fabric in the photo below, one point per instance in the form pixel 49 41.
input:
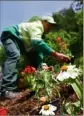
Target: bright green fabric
pixel 42 47
pixel 37 43
pixel 30 31
pixel 13 30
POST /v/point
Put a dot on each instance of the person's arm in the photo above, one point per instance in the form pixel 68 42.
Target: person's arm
pixel 39 45
pixel 43 47
pixel 60 57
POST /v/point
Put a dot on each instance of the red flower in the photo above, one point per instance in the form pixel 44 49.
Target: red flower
pixel 29 70
pixel 3 112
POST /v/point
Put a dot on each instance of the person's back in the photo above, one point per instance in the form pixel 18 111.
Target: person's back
pixel 30 31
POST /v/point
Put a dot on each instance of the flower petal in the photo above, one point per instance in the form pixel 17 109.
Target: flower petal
pixel 60 77
pixel 41 111
pixel 52 108
pixel 65 75
pixel 46 112
pixel 71 66
pixel 52 113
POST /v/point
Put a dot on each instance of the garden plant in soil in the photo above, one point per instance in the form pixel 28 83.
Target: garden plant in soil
pixel 47 92
pixel 60 89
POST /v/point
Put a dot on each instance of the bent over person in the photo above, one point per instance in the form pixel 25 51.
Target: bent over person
pixel 27 37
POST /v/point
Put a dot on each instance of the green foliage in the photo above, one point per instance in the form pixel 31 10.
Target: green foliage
pixel 72 108
pixel 77 85
pixel 2 55
pixel 70 29
pixel 79 61
pixel 66 19
pixel 77 36
pixel 34 18
pixel 79 18
pixel 44 83
pixel 51 40
pixel 41 80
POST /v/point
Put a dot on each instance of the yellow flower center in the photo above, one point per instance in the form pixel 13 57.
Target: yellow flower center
pixel 46 107
pixel 64 68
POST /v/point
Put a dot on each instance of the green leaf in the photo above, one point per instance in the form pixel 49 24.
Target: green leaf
pixel 77 104
pixel 77 87
pixel 69 108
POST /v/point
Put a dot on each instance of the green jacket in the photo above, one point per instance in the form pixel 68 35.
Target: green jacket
pixel 31 35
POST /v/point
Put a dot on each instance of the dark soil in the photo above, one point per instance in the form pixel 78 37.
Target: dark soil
pixel 28 104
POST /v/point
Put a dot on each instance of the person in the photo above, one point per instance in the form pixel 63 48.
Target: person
pixel 26 36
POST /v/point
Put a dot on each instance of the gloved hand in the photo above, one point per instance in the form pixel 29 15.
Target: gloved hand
pixel 61 57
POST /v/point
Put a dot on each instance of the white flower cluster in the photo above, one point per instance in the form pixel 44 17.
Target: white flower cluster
pixel 71 72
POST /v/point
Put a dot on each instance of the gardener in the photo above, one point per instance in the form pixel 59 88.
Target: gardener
pixel 27 37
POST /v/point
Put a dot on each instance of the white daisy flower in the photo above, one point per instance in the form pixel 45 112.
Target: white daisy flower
pixel 48 110
pixel 62 76
pixel 68 72
pixel 73 71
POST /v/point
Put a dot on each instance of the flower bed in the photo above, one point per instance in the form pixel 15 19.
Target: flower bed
pixel 63 91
